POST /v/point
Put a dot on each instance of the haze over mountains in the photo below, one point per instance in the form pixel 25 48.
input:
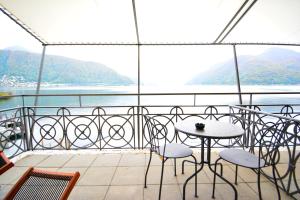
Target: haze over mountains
pixel 274 66
pixel 17 66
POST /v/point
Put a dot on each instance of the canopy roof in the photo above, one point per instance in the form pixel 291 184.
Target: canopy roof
pixel 54 22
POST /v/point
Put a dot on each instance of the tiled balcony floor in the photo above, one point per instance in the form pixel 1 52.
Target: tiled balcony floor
pixel 120 175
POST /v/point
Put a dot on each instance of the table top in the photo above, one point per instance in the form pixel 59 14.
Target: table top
pixel 213 129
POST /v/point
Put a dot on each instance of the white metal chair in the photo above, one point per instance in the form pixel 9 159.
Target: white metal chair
pixel 271 138
pixel 159 145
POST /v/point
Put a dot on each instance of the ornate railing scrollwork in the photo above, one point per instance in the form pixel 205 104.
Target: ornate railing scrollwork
pixel 123 127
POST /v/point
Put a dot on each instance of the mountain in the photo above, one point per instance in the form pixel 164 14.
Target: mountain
pixel 274 66
pixel 22 67
pixel 16 48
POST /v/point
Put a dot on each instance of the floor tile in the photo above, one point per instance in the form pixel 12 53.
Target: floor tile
pixel 204 192
pixel 80 161
pixel 97 176
pixel 55 160
pixel 132 160
pixel 188 171
pixel 4 189
pixel 12 175
pixel 154 175
pixel 228 174
pixel 129 176
pixel 104 160
pixel 31 160
pixel 269 191
pixel 156 160
pixel 131 192
pixel 244 191
pixel 81 170
pixel 169 192
pixel 88 192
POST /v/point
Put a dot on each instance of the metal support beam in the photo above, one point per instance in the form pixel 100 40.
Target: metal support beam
pixel 237 74
pixel 40 76
pixel 174 44
pixel 139 68
pixel 241 17
pixel 231 20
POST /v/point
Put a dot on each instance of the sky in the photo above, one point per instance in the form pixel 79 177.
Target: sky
pixel 170 65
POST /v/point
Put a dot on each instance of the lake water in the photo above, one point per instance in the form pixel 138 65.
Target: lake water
pixel 148 100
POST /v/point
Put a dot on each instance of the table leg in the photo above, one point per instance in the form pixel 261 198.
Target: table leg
pixel 215 171
pixel 200 163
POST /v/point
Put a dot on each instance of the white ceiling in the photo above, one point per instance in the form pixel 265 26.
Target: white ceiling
pixel 158 21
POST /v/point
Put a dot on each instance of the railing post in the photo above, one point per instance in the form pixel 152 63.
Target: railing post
pixel 139 68
pixel 31 129
pixel 237 74
pixel 24 123
pixel 67 143
pixel 23 101
pixel 252 134
pixel 80 103
pixel 248 138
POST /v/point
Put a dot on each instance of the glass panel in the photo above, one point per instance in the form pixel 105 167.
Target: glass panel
pixel 81 21
pixel 193 69
pixel 269 21
pixel 17 47
pixel 270 69
pixel 89 70
pixel 183 21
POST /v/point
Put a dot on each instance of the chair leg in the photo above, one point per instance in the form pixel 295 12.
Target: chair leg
pixel 258 184
pixel 175 167
pixel 214 181
pixel 275 181
pixel 236 173
pixel 189 178
pixel 196 195
pixel 182 166
pixel 145 184
pixel 221 177
pixel 161 177
pixel 221 169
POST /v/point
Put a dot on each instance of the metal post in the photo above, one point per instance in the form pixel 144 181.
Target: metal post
pixel 80 103
pixel 39 77
pixel 240 18
pixel 139 73
pixel 23 101
pixel 237 74
pixel 26 132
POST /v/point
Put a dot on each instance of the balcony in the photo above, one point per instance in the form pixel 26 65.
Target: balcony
pixel 234 61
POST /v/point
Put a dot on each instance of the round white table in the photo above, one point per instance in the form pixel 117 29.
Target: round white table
pixel 213 130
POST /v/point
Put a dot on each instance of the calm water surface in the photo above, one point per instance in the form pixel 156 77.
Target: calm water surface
pixel 148 100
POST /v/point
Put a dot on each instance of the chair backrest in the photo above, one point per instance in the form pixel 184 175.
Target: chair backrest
pixel 273 135
pixel 38 184
pixel 5 163
pixel 157 133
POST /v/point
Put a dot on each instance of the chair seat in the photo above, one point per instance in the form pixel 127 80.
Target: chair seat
pixel 38 184
pixel 175 150
pixel 242 158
